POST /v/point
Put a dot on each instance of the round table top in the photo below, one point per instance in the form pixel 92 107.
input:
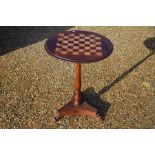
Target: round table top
pixel 79 46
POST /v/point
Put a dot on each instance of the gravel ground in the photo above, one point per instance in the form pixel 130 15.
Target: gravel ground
pixel 34 84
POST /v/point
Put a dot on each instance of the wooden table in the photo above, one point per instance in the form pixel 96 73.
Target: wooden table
pixel 78 47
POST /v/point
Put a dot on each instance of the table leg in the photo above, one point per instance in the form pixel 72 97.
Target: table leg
pixel 77 86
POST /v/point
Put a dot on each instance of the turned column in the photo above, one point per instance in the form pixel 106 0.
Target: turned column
pixel 77 86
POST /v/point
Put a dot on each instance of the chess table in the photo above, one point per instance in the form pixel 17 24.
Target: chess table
pixel 78 47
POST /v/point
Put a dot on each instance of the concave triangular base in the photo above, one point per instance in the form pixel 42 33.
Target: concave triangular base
pixel 70 110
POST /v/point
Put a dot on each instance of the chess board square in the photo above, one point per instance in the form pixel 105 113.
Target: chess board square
pixel 64 46
pixel 99 53
pixel 76 37
pixel 87 48
pixel 65 41
pixel 70 44
pixel 87 53
pixel 57 49
pixel 98 48
pixel 81 50
pixel 75 53
pixel 97 38
pixel 87 45
pixel 82 35
pixel 98 43
pixel 81 45
pixel 92 50
pixel 69 49
pixel 66 37
pixel 92 45
pixel 87 37
pixel 60 39
pixel 76 42
pixel 58 44
pixel 63 52
pixel 71 34
pixel 81 39
pixel 75 47
pixel 93 53
pixel 75 50
pixel 71 39
pixel 92 40
pixel 87 42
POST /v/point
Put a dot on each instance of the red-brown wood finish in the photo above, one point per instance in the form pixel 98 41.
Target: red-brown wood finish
pixel 79 47
pixel 77 91
pixel 71 110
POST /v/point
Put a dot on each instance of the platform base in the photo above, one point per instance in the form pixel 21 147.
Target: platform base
pixel 70 110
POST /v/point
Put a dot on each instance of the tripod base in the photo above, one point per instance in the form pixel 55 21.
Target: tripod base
pixel 70 110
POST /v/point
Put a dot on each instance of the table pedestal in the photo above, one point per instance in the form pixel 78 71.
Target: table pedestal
pixel 78 105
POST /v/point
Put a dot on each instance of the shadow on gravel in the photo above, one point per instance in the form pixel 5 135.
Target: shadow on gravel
pixel 14 37
pixel 150 44
pixel 94 99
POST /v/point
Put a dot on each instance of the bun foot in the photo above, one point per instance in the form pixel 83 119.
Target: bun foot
pixel 56 119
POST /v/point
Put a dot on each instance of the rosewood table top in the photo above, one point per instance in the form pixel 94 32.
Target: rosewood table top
pixel 79 46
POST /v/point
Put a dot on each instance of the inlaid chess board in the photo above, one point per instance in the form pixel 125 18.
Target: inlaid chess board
pixel 78 44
